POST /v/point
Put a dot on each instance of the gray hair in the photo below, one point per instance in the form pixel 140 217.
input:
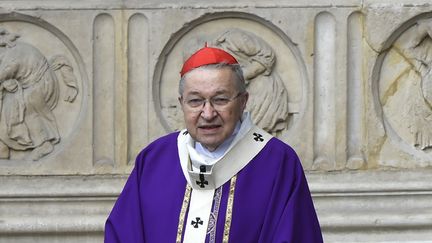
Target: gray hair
pixel 238 76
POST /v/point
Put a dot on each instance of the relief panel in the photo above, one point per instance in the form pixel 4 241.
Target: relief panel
pixel 275 79
pixel 404 88
pixel 38 82
pixel 268 102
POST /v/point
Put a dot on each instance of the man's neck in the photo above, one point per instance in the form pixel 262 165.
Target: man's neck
pixel 219 150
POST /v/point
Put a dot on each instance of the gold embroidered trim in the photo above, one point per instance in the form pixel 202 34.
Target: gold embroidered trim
pixel 228 215
pixel 184 207
pixel 215 214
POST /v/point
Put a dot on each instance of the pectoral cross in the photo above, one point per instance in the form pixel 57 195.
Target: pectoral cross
pixel 202 182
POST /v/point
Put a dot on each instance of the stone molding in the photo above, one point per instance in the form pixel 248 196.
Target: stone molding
pixel 375 206
pixel 63 208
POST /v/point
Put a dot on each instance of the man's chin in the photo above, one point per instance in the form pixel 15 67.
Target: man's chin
pixel 210 144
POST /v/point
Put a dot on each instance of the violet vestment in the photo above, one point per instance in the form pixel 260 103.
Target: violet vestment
pixel 270 202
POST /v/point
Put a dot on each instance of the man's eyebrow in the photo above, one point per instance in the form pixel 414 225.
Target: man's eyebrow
pixel 193 93
pixel 218 92
pixel 223 91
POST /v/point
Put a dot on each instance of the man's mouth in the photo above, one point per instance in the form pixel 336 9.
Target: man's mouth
pixel 209 127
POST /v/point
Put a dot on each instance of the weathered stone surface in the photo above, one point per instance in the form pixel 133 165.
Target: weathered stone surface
pixel 84 85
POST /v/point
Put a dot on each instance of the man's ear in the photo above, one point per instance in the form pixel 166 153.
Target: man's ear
pixel 245 100
pixel 180 99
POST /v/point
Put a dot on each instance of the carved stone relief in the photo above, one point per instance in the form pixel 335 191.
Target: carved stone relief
pixel 268 103
pixel 35 90
pixel 405 88
pixel 419 55
pixel 276 94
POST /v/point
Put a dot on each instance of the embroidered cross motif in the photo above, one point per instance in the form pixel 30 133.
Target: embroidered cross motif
pixel 258 137
pixel 202 182
pixel 197 222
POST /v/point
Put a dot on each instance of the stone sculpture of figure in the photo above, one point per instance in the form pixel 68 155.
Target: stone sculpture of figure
pixel 418 51
pixel 424 39
pixel 269 98
pixel 29 91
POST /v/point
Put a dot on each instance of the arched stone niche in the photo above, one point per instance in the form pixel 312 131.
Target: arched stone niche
pixel 43 88
pixel 402 87
pixel 275 72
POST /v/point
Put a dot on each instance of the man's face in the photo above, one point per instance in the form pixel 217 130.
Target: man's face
pixel 210 124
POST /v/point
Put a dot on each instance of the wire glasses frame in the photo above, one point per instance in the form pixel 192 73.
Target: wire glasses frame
pixel 218 102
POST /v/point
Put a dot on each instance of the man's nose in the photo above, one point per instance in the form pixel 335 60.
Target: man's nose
pixel 208 111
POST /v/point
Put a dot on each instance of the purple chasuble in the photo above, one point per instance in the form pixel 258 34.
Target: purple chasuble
pixel 272 202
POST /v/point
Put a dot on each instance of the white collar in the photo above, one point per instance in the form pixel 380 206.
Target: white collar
pixel 221 149
pixel 202 156
pixel 247 145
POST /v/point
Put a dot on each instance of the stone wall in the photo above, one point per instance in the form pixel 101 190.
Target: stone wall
pixel 86 84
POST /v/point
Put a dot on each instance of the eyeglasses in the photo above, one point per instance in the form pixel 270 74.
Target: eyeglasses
pixel 219 102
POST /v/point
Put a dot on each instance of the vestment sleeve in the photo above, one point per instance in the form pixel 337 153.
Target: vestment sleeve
pixel 124 224
pixel 292 216
pixel 299 222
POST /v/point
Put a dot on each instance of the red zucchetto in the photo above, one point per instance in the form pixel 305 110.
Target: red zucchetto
pixel 206 56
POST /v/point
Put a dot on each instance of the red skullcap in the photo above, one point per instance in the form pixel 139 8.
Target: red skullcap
pixel 206 56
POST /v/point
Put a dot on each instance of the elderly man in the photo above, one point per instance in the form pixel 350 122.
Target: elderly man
pixel 222 179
